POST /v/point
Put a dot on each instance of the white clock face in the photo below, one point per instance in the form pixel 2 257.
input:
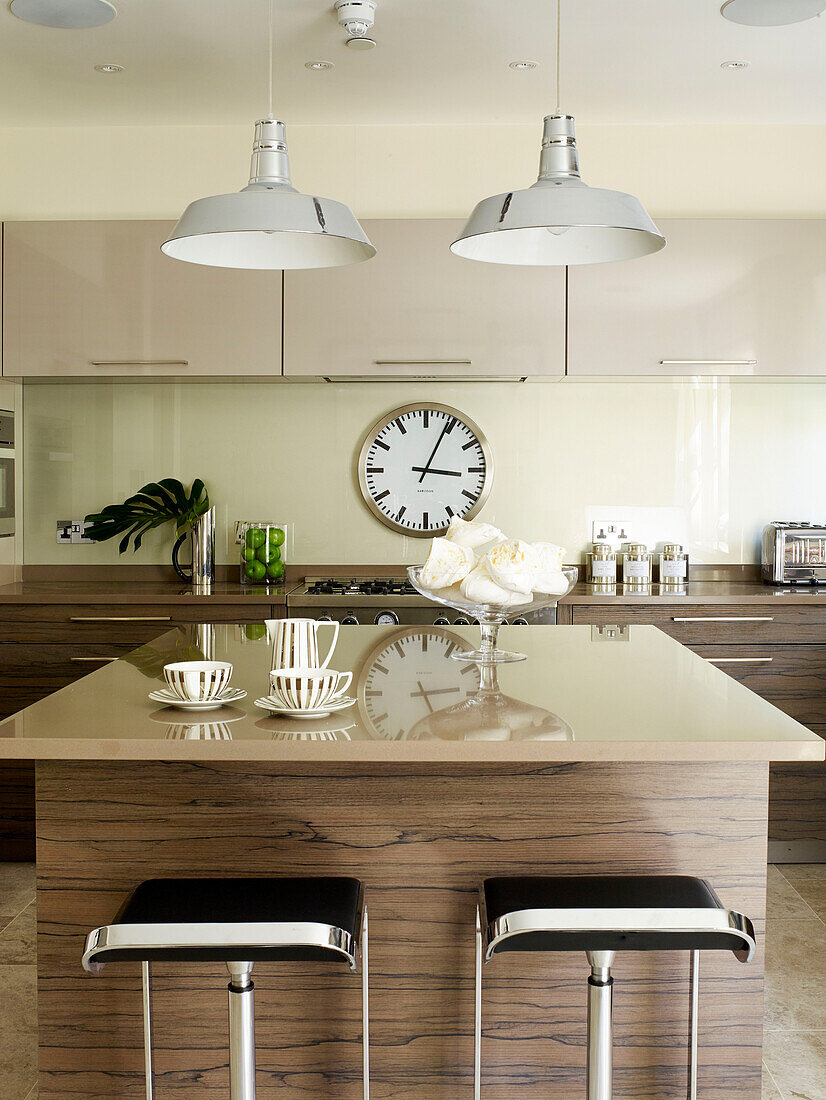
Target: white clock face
pixel 422 465
pixel 409 676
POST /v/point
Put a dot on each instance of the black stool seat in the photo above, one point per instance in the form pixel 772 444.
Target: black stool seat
pixel 609 913
pixel 232 919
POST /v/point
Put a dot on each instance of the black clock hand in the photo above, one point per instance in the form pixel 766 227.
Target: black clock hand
pixel 447 473
pixel 433 452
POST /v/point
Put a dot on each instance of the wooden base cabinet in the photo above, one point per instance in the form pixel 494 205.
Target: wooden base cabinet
pixel 774 651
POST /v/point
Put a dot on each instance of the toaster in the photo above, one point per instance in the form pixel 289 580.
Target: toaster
pixel 794 553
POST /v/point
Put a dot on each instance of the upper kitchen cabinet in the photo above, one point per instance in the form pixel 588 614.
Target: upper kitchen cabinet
pixel 730 298
pixel 100 299
pixel 416 310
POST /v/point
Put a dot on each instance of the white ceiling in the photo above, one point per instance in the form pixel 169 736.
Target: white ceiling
pixel 443 61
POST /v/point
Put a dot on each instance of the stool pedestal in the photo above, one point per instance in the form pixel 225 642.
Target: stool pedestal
pixel 600 1025
pixel 241 1031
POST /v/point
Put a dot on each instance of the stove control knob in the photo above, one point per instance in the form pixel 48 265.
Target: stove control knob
pixel 521 621
pixel 386 618
pixel 325 619
pixel 349 620
pixel 441 621
pixel 461 621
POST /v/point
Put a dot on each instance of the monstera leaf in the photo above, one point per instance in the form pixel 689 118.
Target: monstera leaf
pixel 152 506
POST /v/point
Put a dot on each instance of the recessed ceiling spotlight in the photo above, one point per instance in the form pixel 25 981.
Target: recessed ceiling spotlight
pixel 319 66
pixel 771 13
pixel 735 66
pixel 71 15
pixel 523 66
pixel 108 68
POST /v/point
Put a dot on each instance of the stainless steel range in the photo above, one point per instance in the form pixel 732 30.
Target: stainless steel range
pixel 385 601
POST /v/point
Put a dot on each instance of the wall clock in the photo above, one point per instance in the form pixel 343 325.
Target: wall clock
pixel 408 676
pixel 423 464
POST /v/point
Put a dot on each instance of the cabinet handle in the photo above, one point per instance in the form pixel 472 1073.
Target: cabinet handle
pixel 138 362
pixel 708 362
pixel 96 660
pixel 120 619
pixel 422 362
pixel 725 619
pixel 739 660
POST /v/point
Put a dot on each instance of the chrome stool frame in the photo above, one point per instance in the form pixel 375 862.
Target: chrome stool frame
pixel 194 940
pixel 720 928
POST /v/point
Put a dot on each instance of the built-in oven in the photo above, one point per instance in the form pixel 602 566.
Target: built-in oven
pixel 6 474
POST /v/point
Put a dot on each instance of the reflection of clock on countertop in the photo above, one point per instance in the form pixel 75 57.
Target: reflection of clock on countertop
pixel 423 464
pixel 408 676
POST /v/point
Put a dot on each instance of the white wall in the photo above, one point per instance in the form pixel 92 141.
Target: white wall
pixel 708 464
pixel 11 549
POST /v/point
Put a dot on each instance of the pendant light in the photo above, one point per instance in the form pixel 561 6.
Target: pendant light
pixel 559 220
pixel 269 225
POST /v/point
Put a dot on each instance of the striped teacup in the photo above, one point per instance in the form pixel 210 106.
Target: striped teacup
pixel 198 681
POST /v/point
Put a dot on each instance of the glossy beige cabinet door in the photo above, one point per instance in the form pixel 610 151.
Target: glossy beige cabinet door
pixel 416 310
pixel 731 298
pixel 100 299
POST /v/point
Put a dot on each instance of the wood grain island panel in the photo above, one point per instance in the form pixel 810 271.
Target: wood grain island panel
pixel 421 837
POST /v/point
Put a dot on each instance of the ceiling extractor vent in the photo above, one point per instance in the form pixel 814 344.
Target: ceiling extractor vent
pixel 357 18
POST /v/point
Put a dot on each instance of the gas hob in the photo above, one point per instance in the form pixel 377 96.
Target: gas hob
pixel 383 601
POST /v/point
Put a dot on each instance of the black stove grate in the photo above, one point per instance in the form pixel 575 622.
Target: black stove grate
pixel 375 586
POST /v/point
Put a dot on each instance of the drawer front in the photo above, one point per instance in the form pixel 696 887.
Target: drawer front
pixel 792 677
pixel 130 624
pixel 707 624
pixel 31 672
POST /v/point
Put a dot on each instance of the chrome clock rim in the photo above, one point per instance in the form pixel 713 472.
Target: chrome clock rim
pixel 388 418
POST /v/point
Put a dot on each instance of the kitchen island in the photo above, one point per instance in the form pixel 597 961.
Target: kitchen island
pixel 599 754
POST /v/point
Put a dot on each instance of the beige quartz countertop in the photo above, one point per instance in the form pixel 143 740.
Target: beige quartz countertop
pixel 578 697
pixel 725 593
pixel 137 592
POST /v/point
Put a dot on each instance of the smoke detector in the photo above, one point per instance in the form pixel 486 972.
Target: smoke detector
pixel 771 13
pixel 72 15
pixel 357 18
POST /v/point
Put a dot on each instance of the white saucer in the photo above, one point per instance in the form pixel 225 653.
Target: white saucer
pixel 274 706
pixel 168 699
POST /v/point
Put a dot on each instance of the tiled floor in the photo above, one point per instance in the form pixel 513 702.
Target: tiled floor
pixel 795 1022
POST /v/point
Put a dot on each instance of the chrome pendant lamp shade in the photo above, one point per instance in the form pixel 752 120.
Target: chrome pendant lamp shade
pixel 269 225
pixel 559 220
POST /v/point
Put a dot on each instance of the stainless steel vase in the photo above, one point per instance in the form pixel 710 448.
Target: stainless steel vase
pixel 202 572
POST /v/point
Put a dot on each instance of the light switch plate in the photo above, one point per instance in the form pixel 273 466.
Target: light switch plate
pixel 72 531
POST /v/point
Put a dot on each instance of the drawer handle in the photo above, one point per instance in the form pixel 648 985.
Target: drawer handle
pixel 724 619
pixel 739 660
pixel 96 660
pixel 120 619
pixel 138 362
pixel 708 362
pixel 422 362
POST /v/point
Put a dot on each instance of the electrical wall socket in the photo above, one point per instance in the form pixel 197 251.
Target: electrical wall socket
pixel 611 532
pixel 72 531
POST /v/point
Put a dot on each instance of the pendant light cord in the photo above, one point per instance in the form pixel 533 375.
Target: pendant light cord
pixel 558 52
pixel 270 96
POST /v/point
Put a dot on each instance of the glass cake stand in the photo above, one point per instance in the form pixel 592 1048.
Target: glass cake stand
pixel 489 616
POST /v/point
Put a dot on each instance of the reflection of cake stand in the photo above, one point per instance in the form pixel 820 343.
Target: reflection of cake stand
pixel 489 715
pixel 489 616
pixel 408 676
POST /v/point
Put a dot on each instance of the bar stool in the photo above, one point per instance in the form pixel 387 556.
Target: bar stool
pixel 602 915
pixel 237 921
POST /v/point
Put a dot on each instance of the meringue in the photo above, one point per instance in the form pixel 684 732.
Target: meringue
pixel 447 564
pixel 480 588
pixel 549 576
pixel 473 535
pixel 513 565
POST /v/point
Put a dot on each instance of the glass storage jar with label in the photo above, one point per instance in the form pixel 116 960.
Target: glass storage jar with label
pixel 636 565
pixel 601 564
pixel 673 565
pixel 263 551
